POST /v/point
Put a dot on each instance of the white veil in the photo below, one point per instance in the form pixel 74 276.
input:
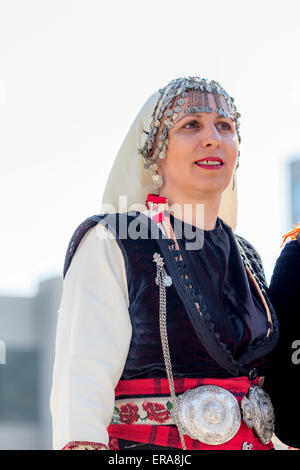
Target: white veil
pixel 129 177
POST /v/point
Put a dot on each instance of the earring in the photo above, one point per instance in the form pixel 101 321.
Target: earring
pixel 236 167
pixel 157 180
pixel 233 181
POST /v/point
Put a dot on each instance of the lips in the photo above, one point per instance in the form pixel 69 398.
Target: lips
pixel 210 163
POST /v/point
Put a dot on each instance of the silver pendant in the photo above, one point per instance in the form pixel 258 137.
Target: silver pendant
pixel 258 413
pixel 167 281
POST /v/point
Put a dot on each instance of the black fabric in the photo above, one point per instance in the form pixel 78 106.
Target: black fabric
pixel 283 379
pixel 218 266
pixel 133 445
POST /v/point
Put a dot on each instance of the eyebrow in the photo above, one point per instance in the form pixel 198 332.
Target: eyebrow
pixel 200 115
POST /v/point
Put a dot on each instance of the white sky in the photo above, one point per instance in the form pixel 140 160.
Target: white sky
pixel 73 75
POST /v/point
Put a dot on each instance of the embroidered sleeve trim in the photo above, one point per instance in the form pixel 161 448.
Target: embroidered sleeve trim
pixel 85 445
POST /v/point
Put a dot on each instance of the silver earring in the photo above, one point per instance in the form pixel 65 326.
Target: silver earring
pixel 236 167
pixel 233 181
pixel 157 180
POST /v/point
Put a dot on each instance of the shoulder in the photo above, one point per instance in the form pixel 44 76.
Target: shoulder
pixel 97 227
pixel 286 273
pixel 249 249
pixel 90 228
pixel 253 257
pixel 252 254
pixel 79 233
pixel 288 262
pixel 290 251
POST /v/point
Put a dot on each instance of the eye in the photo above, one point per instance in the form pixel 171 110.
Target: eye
pixel 194 124
pixel 226 126
pixel 191 124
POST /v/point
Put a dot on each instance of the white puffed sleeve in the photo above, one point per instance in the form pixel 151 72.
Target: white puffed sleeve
pixel 92 341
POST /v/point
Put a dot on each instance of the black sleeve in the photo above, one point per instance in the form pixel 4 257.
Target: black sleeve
pixel 282 381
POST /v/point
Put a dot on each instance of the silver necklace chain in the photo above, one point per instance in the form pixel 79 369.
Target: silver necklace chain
pixel 160 279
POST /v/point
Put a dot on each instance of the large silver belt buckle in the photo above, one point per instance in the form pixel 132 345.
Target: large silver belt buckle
pixel 209 414
pixel 258 413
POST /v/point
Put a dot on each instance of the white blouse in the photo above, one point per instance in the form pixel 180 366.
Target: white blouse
pixel 92 341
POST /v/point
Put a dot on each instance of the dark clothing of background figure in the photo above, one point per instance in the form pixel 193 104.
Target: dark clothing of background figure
pixel 283 379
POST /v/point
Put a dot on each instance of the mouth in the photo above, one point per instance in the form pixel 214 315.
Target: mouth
pixel 210 163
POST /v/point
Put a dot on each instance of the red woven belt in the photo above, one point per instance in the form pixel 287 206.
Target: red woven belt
pixel 168 436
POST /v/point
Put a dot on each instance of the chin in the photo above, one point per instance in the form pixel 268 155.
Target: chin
pixel 212 187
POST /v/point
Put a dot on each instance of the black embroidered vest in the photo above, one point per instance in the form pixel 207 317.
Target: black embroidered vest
pixel 197 347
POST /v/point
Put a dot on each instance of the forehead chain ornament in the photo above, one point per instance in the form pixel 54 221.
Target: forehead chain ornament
pixel 189 91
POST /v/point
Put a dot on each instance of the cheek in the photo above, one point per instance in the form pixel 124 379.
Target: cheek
pixel 173 154
pixel 168 165
pixel 173 164
pixel 232 148
pixel 178 148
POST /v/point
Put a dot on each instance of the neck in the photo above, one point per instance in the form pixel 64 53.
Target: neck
pixel 200 211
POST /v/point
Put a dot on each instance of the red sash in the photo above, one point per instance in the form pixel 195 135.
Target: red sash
pixel 168 436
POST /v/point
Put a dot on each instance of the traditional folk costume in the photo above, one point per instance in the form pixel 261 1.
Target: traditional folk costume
pixel 160 345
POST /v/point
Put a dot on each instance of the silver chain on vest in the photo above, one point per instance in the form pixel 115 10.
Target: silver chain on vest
pixel 163 280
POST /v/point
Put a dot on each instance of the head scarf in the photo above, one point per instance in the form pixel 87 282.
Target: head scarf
pixel 129 179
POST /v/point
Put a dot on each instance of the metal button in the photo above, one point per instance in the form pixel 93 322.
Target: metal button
pixel 247 446
pixel 253 373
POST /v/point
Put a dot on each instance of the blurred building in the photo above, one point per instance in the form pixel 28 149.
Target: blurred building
pixel 295 191
pixel 28 326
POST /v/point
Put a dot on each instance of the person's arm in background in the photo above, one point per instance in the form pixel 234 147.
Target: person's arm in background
pixel 282 382
pixel 92 343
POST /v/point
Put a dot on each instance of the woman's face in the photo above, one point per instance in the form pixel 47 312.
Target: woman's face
pixel 195 137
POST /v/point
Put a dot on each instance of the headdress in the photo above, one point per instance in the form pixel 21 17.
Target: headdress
pixel 147 140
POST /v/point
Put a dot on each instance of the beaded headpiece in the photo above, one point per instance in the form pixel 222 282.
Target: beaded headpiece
pixel 189 91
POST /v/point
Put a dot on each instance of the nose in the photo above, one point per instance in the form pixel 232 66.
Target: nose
pixel 210 137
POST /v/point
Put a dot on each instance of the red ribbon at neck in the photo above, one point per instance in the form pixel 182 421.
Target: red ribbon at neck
pixel 154 199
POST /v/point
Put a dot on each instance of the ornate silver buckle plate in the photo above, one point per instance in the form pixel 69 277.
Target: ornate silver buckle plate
pixel 258 413
pixel 209 414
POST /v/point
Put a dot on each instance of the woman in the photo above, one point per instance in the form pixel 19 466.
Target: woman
pixel 165 325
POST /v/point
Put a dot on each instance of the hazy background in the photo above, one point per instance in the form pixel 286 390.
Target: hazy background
pixel 74 74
